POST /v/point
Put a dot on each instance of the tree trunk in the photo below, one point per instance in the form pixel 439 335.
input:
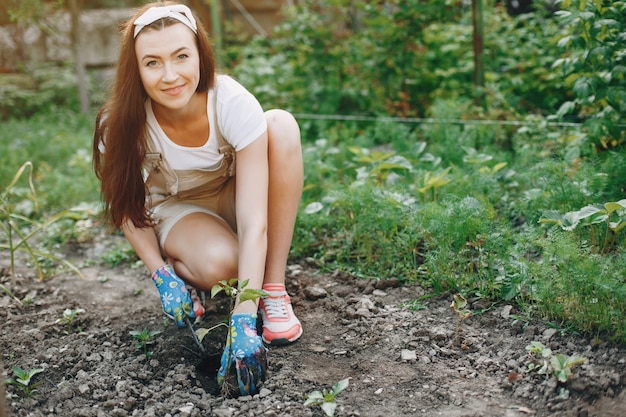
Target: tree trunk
pixel 81 73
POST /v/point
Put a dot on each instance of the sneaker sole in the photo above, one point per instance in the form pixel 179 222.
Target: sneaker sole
pixel 281 341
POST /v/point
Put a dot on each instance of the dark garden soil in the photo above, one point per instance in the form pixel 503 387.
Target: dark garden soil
pixel 399 361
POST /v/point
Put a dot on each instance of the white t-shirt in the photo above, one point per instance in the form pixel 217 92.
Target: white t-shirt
pixel 240 119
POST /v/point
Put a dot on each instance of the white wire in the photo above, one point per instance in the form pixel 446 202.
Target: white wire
pixel 249 17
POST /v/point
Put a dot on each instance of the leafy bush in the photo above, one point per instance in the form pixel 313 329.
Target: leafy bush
pixel 594 67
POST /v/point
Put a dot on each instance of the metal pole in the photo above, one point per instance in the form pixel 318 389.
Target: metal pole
pixel 479 58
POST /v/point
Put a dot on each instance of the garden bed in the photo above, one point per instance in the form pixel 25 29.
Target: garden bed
pixel 402 358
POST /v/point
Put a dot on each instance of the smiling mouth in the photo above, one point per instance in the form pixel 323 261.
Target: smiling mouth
pixel 174 90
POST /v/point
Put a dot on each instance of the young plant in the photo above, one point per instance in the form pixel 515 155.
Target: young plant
pixel 23 380
pixel 459 304
pixel 432 182
pixel 236 290
pixel 326 399
pixel 144 338
pixel 68 319
pixel 612 213
pixel 544 362
pixel 19 229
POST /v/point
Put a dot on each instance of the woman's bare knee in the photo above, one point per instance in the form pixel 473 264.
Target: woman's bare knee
pixel 283 127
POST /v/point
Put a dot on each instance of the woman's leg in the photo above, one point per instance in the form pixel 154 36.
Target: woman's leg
pixel 203 250
pixel 286 176
pixel 280 325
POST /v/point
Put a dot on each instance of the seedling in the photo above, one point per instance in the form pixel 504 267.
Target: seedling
pixel 459 304
pixel 548 364
pixel 23 380
pixel 236 290
pixel 69 316
pixel 144 338
pixel 326 399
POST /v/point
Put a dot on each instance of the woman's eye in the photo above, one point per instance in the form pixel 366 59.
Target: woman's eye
pixel 151 64
pixel 182 56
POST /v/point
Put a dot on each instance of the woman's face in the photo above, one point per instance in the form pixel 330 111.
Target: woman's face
pixel 169 65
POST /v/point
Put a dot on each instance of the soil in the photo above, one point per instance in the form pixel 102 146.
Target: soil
pixel 401 358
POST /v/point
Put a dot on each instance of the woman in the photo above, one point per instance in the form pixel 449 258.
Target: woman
pixel 203 183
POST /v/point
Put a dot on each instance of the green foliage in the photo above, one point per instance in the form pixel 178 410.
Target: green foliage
pixel 122 253
pixel 58 144
pixel 544 362
pixel 23 380
pixel 612 215
pixel 144 338
pixel 41 89
pixel 326 399
pixel 594 67
pixel 19 229
pixel 69 320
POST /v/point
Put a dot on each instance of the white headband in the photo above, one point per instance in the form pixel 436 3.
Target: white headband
pixel 179 12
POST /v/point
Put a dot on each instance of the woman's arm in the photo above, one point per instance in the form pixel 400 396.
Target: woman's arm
pixel 144 242
pixel 251 206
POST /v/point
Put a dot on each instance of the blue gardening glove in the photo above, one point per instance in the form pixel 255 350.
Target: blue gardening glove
pixel 245 348
pixel 175 298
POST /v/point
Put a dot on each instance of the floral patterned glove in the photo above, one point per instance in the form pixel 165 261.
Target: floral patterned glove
pixel 175 298
pixel 245 348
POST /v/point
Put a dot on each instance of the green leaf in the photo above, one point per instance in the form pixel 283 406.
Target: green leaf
pixel 329 408
pixel 216 289
pixel 583 88
pixel 201 333
pixel 315 397
pixel 614 206
pixel 341 385
pixel 589 210
pixel 570 221
pixel 566 108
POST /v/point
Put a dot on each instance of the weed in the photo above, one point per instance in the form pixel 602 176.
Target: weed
pixel 23 380
pixel 544 362
pixel 326 399
pixel 69 318
pixel 459 304
pixel 123 253
pixel 144 338
pixel 20 227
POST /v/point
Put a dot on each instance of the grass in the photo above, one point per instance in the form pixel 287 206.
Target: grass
pixel 363 211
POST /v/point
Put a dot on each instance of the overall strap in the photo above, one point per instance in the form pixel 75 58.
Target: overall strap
pixel 224 147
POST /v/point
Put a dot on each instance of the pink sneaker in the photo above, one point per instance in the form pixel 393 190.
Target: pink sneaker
pixel 280 324
pixel 197 304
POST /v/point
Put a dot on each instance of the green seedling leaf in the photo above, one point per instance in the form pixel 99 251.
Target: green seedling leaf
pixel 250 294
pixel 316 397
pixel 329 408
pixel 340 386
pixel 216 289
pixel 201 333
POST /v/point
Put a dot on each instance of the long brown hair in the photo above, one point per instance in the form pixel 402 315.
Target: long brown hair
pixel 121 126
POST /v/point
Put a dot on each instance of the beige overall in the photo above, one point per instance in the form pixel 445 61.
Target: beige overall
pixel 173 194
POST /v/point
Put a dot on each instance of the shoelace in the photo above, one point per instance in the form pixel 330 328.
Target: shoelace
pixel 275 306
